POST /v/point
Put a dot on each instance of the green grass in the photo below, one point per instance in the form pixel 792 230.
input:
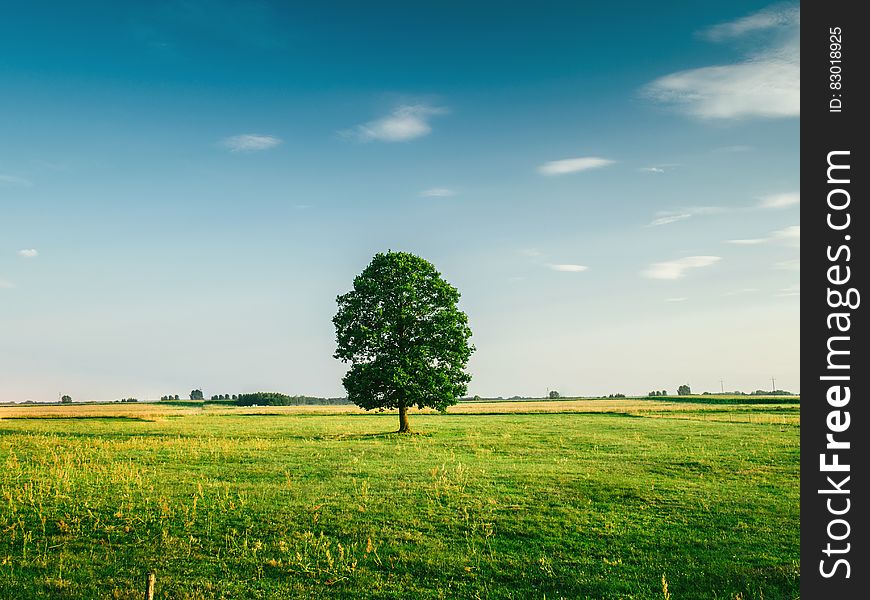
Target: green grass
pixel 225 505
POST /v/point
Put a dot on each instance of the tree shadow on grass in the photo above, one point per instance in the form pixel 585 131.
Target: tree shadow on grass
pixel 385 435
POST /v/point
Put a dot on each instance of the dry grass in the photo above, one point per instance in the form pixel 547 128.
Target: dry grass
pixel 631 406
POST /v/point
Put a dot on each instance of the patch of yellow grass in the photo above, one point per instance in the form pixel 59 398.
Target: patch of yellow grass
pixel 632 406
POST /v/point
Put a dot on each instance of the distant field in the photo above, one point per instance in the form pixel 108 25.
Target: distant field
pixel 567 499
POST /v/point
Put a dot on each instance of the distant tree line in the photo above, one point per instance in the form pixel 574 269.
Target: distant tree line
pixel 276 399
pixel 755 393
pixel 656 393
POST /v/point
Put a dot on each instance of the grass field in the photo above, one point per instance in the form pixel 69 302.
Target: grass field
pixel 573 499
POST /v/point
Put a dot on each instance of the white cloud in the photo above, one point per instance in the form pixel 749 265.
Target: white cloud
pixel 250 142
pixel 406 122
pixel 792 290
pixel 438 193
pixel 652 170
pixel 665 217
pixel 765 83
pixel 772 201
pixel 676 269
pixel 6 284
pixel 776 16
pixel 790 236
pixel 28 253
pixel 669 219
pixel 14 180
pixel 573 165
pixel 780 200
pixel 569 268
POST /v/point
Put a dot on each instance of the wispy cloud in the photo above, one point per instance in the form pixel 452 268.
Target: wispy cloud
pixel 769 202
pixel 665 217
pixel 791 290
pixel 676 269
pixel 438 193
pixel 11 180
pixel 652 170
pixel 28 253
pixel 780 200
pixel 531 252
pixel 406 122
pixel 250 142
pixel 766 83
pixel 777 16
pixel 788 265
pixel 569 268
pixel 573 165
pixel 669 219
pixel 790 235
pixel 6 284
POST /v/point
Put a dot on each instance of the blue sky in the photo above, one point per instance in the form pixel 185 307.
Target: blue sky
pixel 185 186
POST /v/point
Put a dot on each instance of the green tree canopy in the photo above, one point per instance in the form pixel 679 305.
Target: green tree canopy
pixel 405 338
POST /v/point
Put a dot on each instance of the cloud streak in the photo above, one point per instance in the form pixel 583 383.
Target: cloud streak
pixel 11 180
pixel 790 236
pixel 250 142
pixel 667 217
pixel 573 165
pixel 28 253
pixel 567 268
pixel 406 122
pixel 676 269
pixel 769 202
pixel 772 17
pixel 438 193
pixel 780 200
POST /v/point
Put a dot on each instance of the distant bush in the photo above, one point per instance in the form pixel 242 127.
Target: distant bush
pixel 66 399
pixel 129 400
pixel 276 399
pixel 553 395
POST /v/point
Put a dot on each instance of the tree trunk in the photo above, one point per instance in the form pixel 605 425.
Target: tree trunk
pixel 403 419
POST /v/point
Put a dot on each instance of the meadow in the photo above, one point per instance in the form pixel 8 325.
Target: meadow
pixel 593 499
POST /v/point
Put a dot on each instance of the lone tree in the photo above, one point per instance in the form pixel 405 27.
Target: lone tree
pixel 405 338
pixel 66 399
pixel 196 394
pixel 684 390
